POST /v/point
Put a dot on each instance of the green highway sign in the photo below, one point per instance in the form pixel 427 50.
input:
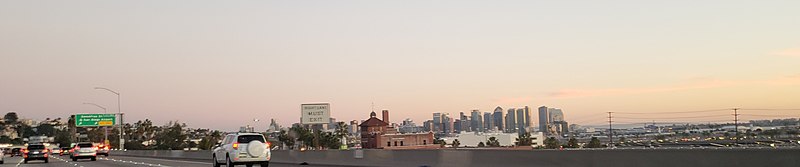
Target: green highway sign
pixel 83 120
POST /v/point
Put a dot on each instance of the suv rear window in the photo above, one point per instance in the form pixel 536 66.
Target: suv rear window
pixel 249 138
pixel 85 145
pixel 31 147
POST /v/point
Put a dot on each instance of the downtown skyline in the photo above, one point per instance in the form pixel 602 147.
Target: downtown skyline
pixel 208 59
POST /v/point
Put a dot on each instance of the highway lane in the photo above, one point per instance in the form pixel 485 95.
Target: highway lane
pixel 118 161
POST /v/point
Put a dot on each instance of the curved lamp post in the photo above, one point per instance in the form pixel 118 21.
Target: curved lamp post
pixel 119 111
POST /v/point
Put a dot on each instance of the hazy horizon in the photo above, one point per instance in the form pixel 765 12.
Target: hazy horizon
pixel 217 65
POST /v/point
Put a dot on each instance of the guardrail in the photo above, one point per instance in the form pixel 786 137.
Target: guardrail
pixel 489 157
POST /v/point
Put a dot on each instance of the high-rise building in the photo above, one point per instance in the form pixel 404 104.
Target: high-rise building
pixel 428 126
pixel 457 128
pixel 521 120
pixel 488 121
pixel 543 119
pixel 557 124
pixel 448 124
pixel 528 119
pixel 555 114
pixel 465 122
pixel 511 120
pixel 477 121
pixel 437 122
pixel 498 118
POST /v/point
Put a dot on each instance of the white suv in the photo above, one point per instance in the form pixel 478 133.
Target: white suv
pixel 242 149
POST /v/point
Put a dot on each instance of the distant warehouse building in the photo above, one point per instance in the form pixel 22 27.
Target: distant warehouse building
pixel 377 134
pixel 505 139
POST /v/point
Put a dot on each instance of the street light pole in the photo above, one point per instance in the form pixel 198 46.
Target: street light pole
pixel 121 122
pixel 104 128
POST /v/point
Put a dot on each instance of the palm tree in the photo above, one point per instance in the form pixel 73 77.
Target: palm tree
pixel 492 142
pixel 572 143
pixel 524 140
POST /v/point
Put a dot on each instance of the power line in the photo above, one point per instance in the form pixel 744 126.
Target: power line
pixel 676 112
pixel 762 115
pixel 684 117
pixel 769 109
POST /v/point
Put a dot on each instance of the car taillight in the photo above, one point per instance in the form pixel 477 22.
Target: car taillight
pixel 267 144
pixel 236 146
pixel 45 151
pixel 24 151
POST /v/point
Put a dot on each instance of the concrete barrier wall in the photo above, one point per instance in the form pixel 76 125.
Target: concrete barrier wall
pixel 543 158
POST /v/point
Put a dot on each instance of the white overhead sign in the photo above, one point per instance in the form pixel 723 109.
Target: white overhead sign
pixel 318 113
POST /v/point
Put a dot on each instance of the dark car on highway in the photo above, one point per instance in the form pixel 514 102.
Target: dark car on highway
pixel 16 152
pixel 36 152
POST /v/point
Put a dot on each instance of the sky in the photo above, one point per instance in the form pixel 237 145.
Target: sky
pixel 221 64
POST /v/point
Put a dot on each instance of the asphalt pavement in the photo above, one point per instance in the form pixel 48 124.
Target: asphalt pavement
pixel 114 161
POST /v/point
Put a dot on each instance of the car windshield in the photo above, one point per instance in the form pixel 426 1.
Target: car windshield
pixel 249 138
pixel 35 147
pixel 85 145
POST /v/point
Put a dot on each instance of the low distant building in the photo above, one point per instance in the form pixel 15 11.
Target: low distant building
pixel 371 131
pixel 505 139
pixel 402 140
pixel 377 134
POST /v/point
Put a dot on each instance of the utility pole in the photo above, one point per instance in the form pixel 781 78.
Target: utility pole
pixel 121 120
pixel 736 124
pixel 610 132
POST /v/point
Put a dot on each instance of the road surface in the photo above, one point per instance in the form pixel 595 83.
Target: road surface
pixel 114 161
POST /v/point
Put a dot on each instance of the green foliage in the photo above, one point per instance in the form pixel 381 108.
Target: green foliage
pixel 594 143
pixel 329 140
pixel 772 133
pixel 455 143
pixel 481 144
pixel 572 143
pixel 286 138
pixel 524 140
pixel 210 140
pixel 438 141
pixel 172 137
pixel 551 143
pixel 25 131
pixel 64 137
pixel 341 129
pixel 5 139
pixel 492 142
pixel 11 118
pixel 45 130
pixel 304 135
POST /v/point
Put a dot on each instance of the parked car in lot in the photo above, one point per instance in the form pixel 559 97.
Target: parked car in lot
pixel 102 150
pixel 84 150
pixel 35 152
pixel 242 149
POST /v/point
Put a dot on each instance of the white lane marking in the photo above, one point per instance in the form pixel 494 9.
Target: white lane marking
pixel 132 162
pixel 20 162
pixel 178 161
